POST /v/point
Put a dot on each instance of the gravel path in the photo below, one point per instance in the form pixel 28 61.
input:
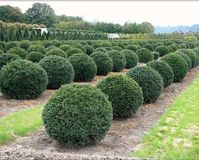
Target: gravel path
pixel 121 140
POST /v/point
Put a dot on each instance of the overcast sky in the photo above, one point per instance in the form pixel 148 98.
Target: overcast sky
pixel 165 13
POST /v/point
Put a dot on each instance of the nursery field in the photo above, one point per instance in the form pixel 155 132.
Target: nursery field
pixel 99 99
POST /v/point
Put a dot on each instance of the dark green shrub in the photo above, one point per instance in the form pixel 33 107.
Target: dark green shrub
pixel 56 43
pixel 163 50
pixel 57 52
pixel 144 55
pixel 10 45
pixel 105 44
pixel 192 55
pixel 100 49
pixel 148 46
pixel 73 51
pixel 164 70
pixel 117 48
pixel 83 42
pixel 65 47
pixel 185 57
pixel 149 80
pixel 6 58
pixel 59 71
pixel 80 46
pixel 84 67
pixel 103 61
pixel 24 44
pixel 50 48
pixel 174 47
pixel 119 62
pixel 89 49
pixel 23 79
pixel 34 56
pixel 131 58
pixel 178 65
pixel 78 115
pixel 18 51
pixel 96 45
pixel 1 52
pixel 124 93
pixel 156 55
pixel 132 47
pixel 47 44
pixel 37 48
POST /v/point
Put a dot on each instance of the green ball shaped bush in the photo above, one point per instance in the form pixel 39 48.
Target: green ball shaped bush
pixel 84 66
pixel 6 58
pixel 36 48
pixel 10 45
pixel 192 55
pixel 186 58
pixel 24 44
pixel 105 44
pixel 59 71
pixel 148 46
pixel 34 56
pixel 57 52
pixel 164 70
pixel 73 51
pixel 178 65
pixel 149 80
pixel 103 61
pixel 78 115
pixel 117 48
pixel 124 93
pixel 65 47
pixel 132 47
pixel 163 50
pixel 23 79
pixel 18 51
pixel 119 61
pixel 131 58
pixel 144 55
pixel 101 49
pixel 89 49
pixel 156 55
pixel 79 46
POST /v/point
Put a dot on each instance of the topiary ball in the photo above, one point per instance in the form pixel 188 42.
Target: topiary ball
pixel 156 55
pixel 77 115
pixel 34 56
pixel 6 58
pixel 149 80
pixel 59 71
pixel 124 93
pixel 10 45
pixel 163 50
pixel 119 62
pixel 178 65
pixel 144 55
pixel 149 46
pixel 79 46
pixel 84 67
pixel 186 58
pixel 100 49
pixel 89 49
pixel 73 51
pixel 103 61
pixel 164 70
pixel 18 51
pixel 57 52
pixel 25 44
pixel 131 58
pixel 37 48
pixel 23 79
pixel 132 47
pixel 65 47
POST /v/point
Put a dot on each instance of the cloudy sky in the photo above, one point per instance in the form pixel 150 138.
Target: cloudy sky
pixel 165 13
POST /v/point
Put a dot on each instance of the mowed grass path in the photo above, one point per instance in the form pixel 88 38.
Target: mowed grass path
pixel 20 123
pixel 176 136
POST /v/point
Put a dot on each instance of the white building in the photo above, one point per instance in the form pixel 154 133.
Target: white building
pixel 42 30
pixel 113 36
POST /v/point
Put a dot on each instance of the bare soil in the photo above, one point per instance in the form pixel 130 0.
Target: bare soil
pixel 121 140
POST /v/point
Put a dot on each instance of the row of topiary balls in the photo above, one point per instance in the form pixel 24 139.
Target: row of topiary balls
pixel 82 115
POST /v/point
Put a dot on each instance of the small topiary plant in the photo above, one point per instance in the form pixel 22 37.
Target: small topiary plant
pixel 149 80
pixel 131 58
pixel 148 46
pixel 105 44
pixel 65 47
pixel 78 115
pixel 117 48
pixel 37 48
pixel 164 70
pixel 144 55
pixel 10 45
pixel 59 71
pixel 186 58
pixel 156 55
pixel 6 58
pixel 163 50
pixel 57 52
pixel 72 51
pixel 18 51
pixel 84 66
pixel 132 47
pixel 23 79
pixel 124 93
pixel 80 46
pixel 24 44
pixel 103 61
pixel 178 65
pixel 89 49
pixel 35 56
pixel 119 62
pixel 101 49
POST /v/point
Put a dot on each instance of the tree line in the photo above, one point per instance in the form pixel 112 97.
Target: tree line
pixel 42 13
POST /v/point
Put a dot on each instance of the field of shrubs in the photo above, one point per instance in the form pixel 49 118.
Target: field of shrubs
pixel 80 115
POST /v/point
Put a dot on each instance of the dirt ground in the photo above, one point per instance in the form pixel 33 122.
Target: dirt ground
pixel 121 140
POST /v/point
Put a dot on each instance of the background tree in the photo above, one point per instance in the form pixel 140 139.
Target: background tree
pixel 11 14
pixel 41 13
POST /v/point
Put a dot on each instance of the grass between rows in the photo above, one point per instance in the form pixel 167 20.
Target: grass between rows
pixel 20 123
pixel 176 135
